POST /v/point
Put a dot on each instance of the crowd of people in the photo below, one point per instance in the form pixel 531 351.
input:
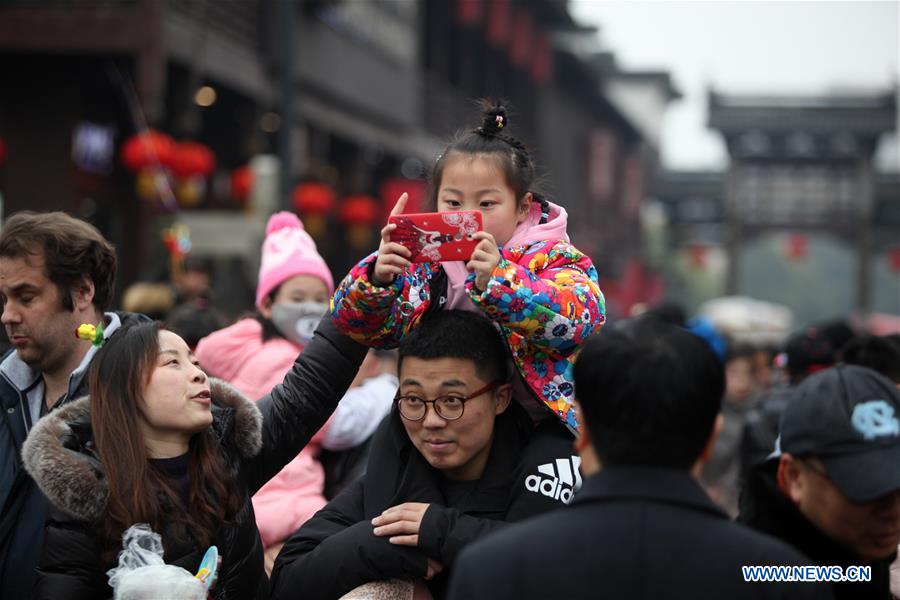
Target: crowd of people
pixel 456 429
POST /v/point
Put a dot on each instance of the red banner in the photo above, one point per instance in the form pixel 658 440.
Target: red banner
pixel 522 42
pixel 632 187
pixel 601 164
pixel 796 247
pixel 542 60
pixel 499 25
pixel 469 12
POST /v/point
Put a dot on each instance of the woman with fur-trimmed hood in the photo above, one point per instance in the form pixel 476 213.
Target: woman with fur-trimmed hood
pixel 157 442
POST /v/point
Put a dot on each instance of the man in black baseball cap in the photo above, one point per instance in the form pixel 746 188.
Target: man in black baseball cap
pixel 832 487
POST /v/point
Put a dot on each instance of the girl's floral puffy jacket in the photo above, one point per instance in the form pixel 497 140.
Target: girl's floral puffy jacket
pixel 543 297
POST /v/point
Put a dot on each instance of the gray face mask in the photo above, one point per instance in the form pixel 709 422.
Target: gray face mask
pixel 298 320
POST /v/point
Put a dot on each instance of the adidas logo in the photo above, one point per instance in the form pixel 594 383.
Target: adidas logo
pixel 558 480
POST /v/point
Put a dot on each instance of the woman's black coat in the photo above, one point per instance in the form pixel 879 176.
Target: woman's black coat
pixel 257 439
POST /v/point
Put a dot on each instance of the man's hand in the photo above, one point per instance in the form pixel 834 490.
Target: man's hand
pixel 484 259
pixel 401 523
pixel 270 555
pixel 392 257
pixel 434 568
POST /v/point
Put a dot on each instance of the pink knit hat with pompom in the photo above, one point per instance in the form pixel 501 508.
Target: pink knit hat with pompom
pixel 288 251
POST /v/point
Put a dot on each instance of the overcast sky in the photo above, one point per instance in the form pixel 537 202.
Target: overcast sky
pixel 746 47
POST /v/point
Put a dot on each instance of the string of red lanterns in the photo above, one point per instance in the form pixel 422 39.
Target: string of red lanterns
pixel 153 155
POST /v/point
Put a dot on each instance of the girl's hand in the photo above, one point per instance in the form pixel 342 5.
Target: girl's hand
pixel 484 260
pixel 392 257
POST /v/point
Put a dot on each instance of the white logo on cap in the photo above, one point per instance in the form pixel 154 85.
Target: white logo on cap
pixel 875 418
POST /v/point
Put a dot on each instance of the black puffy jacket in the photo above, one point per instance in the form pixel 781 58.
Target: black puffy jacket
pixel 258 439
pixel 336 550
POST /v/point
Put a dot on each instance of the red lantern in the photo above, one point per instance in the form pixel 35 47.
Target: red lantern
pixel 242 183
pixel 697 255
pixel 147 149
pixel 2 152
pixel 192 159
pixel 313 200
pixel 393 187
pixel 359 210
pixel 359 213
pixel 797 247
pixel 894 259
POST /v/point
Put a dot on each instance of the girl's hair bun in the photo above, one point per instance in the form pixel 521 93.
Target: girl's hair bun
pixel 493 118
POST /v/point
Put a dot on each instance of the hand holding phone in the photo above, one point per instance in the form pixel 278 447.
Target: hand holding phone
pixel 437 237
pixel 392 257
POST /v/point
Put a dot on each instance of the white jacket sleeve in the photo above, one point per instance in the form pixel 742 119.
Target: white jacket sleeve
pixel 360 412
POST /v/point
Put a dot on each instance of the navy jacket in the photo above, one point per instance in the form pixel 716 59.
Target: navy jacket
pixel 637 533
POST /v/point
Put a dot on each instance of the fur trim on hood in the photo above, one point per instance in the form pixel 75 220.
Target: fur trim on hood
pixel 59 457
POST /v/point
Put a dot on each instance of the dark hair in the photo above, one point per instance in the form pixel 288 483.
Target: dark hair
pixel 738 350
pixel 808 351
pixel 72 249
pixel 838 332
pixel 458 334
pixel 667 312
pixel 649 394
pixel 490 139
pixel 197 264
pixel 269 331
pixel 119 374
pixel 193 321
pixel 878 353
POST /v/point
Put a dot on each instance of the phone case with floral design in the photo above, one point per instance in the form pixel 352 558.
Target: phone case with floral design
pixel 438 237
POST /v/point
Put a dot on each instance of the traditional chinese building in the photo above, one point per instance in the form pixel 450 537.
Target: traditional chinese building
pixel 358 95
pixel 802 207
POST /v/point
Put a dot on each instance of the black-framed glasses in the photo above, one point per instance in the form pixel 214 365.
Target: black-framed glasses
pixel 448 407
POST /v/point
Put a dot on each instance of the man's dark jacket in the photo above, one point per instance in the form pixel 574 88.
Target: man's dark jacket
pixel 336 550
pixel 637 533
pixel 765 508
pixel 23 512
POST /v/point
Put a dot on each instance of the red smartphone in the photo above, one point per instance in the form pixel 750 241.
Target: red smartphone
pixel 436 237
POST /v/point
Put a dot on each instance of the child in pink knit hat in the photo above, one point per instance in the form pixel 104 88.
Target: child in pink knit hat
pixel 290 260
pixel 255 353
